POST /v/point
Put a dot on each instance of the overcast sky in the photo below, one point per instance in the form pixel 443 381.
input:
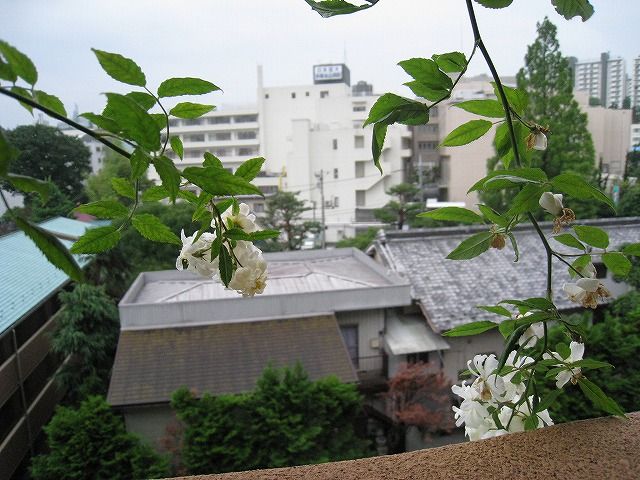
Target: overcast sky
pixel 224 40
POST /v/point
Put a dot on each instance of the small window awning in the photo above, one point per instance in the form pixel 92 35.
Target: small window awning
pixel 411 334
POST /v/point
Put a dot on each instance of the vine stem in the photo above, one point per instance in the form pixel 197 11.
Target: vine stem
pixel 512 133
pixel 66 120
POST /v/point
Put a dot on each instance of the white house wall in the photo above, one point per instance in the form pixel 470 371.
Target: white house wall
pixel 370 323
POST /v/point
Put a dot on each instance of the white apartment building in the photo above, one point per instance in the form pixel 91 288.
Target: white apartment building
pixel 313 141
pixel 605 79
pixel 634 88
pixel 635 137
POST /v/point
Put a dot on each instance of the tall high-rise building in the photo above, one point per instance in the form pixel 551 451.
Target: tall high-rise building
pixel 604 79
pixel 634 92
pixel 313 141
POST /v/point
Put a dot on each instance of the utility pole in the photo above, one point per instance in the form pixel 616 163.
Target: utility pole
pixel 320 177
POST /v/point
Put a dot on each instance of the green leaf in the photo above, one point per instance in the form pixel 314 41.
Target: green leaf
pixel 160 120
pixel 151 228
pixel 495 3
pixel 573 8
pixel 177 147
pixel 51 102
pixel 632 249
pixel 526 200
pixel 579 263
pixel 518 99
pixel 599 398
pixel 6 72
pixel 453 214
pixel 218 181
pixel 377 143
pixel 169 175
pixel 175 87
pixel 497 309
pixel 264 235
pixel 121 68
pixel 422 90
pixel 391 108
pixel 427 72
pixel 536 303
pixel 569 240
pixel 577 187
pixel 20 64
pixel 473 328
pixel 143 99
pixel 23 92
pixel 531 422
pixel 134 122
pixel 451 62
pixel 225 266
pixel 467 133
pixel 102 122
pixel 472 246
pixel 493 216
pixel 96 240
pixel 617 263
pixel 250 169
pixel 487 108
pixel 329 8
pixel 514 245
pixel 190 110
pixel 103 209
pixel 124 187
pixel 591 364
pixel 140 161
pixel 210 160
pixel 187 195
pixel 52 248
pixel 30 184
pixel 594 236
pixel 154 194
pixel 547 401
pixel 507 327
pixel 237 234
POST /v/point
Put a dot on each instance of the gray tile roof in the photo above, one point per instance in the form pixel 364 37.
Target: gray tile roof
pixel 450 290
pixel 224 358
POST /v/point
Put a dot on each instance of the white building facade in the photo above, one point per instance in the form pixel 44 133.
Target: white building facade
pixel 604 79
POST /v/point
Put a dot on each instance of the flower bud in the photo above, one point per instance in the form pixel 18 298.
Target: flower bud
pixel 539 141
pixel 551 202
pixel 498 241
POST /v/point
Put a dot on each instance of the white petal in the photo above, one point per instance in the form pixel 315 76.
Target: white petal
pixel 588 284
pixel 562 378
pixel 551 203
pixel 577 351
pixel 540 141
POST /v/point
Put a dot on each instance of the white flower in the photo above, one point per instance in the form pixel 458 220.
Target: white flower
pixel 531 335
pixel 514 422
pixel 196 256
pixel 571 373
pixel 488 384
pixel 589 270
pixel 244 219
pixel 251 275
pixel 552 203
pixel 493 433
pixel 540 141
pixel 586 292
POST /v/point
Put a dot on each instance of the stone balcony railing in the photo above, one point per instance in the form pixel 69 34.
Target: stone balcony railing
pixel 604 448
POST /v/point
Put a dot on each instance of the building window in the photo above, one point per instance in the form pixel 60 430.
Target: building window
pixel 335 173
pixel 247 151
pixel 220 136
pixel 218 120
pixel 193 153
pixel 266 95
pixel 418 357
pixel 222 152
pixel 433 112
pixel 306 94
pixel 350 337
pixel 360 198
pixel 174 122
pixel 360 166
pixel 336 202
pixel 601 270
pixel 358 141
pixel 258 207
pixel 324 93
pixel 194 138
pixel 247 135
pixel 359 107
pixel 268 189
pixel 293 94
pixel 429 146
pixel 335 143
pixel 245 118
pixel 190 122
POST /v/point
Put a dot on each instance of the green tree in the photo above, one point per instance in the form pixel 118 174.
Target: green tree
pixel 547 78
pixel 58 205
pixel 286 420
pixel 401 210
pixel 629 205
pixel 361 241
pixel 47 153
pixel 616 340
pixel 113 166
pixel 87 331
pixel 91 442
pixel 284 212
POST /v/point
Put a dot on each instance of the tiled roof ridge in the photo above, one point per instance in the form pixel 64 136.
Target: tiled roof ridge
pixel 399 235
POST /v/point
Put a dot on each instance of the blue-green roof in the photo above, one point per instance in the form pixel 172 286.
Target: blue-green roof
pixel 26 277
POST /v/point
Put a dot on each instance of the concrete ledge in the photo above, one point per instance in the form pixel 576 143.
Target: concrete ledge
pixel 604 448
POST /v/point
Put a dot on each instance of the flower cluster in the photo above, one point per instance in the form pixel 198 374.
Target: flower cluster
pixel 250 275
pixel 494 403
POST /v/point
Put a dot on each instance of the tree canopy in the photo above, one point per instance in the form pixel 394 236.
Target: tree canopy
pixel 284 212
pixel 286 420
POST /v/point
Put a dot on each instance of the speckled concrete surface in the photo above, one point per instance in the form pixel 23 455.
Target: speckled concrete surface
pixel 605 448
